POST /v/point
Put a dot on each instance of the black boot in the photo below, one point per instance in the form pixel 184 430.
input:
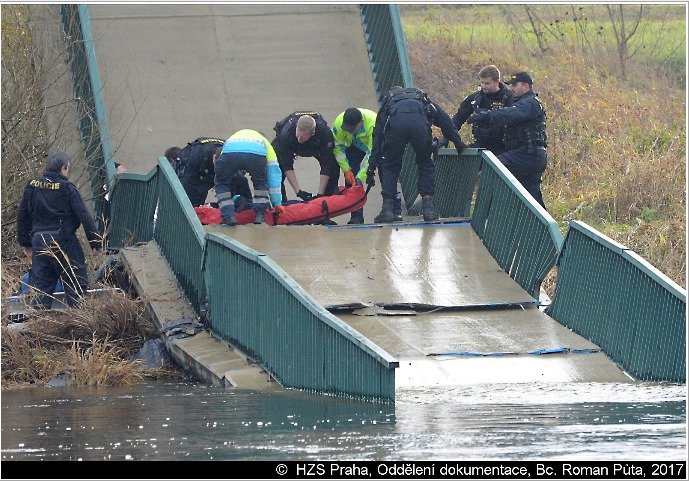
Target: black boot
pixel 397 210
pixel 357 217
pixel 386 215
pixel 427 208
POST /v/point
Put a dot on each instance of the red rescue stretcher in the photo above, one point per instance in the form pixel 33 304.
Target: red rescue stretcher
pixel 314 211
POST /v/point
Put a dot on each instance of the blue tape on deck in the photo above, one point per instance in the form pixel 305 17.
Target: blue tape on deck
pixel 537 352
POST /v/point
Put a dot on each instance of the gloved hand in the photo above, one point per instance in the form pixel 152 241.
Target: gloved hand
pixel 371 177
pixel 305 196
pixel 349 178
pixel 479 117
pixel 440 143
pixel 280 209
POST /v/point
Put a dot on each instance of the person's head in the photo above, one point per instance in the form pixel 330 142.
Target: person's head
pixel 306 127
pixel 172 155
pixel 351 120
pixel 57 163
pixel 489 77
pixel 520 83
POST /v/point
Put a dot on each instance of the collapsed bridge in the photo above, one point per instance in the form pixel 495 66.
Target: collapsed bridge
pixel 349 310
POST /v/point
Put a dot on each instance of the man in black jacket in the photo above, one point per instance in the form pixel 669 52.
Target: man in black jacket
pixel 405 117
pixel 306 134
pixel 49 215
pixel 194 167
pixel 492 94
pixel 525 156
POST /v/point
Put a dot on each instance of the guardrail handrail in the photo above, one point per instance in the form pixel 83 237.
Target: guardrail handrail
pixel 180 235
pixel 133 202
pixel 256 305
pixel 520 234
pixel 610 295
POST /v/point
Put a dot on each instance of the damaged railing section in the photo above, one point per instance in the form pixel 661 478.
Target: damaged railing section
pixel 256 306
pixel 520 235
pixel 180 235
pixel 610 295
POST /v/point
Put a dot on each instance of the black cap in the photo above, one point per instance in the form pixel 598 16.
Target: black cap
pixel 352 117
pixel 520 77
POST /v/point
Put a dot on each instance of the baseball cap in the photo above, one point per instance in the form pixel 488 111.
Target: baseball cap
pixel 352 116
pixel 520 77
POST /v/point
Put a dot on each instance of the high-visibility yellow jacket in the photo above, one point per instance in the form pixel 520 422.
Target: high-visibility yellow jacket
pixel 362 139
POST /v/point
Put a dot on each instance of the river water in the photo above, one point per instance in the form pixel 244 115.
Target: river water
pixel 173 421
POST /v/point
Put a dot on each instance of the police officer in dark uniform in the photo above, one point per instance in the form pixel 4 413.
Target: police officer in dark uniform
pixel 194 167
pixel 525 137
pixel 306 134
pixel 49 215
pixel 406 116
pixel 493 94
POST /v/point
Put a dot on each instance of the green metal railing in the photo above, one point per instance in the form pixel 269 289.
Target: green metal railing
pixel 257 306
pixel 610 295
pixel 88 97
pixel 133 201
pixel 180 235
pixel 387 52
pixel 520 235
pixel 455 181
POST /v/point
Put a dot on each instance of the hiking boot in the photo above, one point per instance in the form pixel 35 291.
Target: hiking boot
pixel 328 222
pixel 386 215
pixel 398 218
pixel 427 208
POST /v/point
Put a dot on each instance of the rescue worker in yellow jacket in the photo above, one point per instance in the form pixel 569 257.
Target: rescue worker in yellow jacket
pixel 353 133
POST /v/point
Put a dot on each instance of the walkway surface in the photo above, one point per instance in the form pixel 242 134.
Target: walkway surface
pixel 172 73
pixel 482 327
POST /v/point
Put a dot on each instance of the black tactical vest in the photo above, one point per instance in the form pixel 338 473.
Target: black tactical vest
pixel 530 133
pixel 488 135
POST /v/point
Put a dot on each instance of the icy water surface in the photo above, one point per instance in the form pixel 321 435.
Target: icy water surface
pixel 578 421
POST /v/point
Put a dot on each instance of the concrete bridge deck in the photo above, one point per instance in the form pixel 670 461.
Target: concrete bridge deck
pixel 171 73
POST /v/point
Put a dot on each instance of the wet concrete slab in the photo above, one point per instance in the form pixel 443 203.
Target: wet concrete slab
pixel 494 346
pixel 196 350
pixel 419 264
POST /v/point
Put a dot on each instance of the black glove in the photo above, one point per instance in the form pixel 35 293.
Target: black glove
pixel 305 196
pixel 371 177
pixel 480 117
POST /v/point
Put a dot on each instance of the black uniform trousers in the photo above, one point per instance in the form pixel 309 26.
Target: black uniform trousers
pixel 57 256
pixel 406 128
pixel 527 164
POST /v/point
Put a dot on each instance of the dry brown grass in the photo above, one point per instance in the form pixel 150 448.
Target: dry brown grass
pixel 616 149
pixel 93 342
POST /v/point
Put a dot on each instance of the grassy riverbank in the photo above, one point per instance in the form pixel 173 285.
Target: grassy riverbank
pixel 617 137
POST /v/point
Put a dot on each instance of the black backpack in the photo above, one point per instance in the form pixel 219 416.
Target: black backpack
pixel 398 94
pixel 202 144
